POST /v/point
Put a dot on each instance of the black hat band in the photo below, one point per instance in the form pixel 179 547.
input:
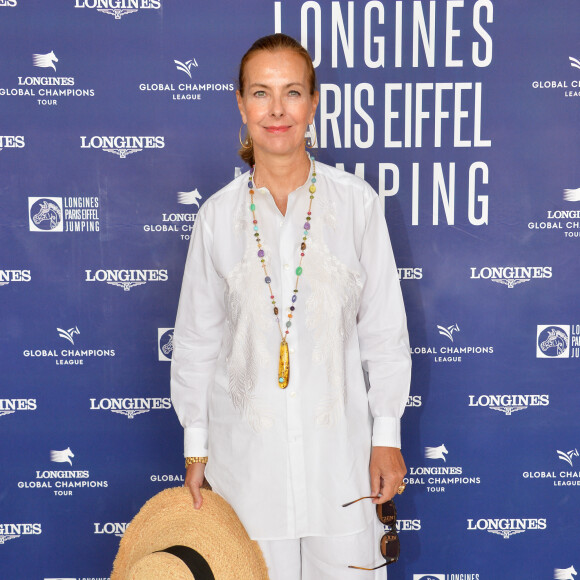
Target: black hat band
pixel 196 563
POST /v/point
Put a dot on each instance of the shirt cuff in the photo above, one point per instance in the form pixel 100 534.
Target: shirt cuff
pixel 386 432
pixel 195 442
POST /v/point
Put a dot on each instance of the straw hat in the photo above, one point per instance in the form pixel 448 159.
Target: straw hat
pixel 170 539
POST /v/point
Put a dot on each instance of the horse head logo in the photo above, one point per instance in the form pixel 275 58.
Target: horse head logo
pixel 186 66
pixel 557 339
pixel 45 60
pixel 63 456
pixel 167 348
pixel 565 573
pixel 567 457
pixel 572 194
pixel 189 197
pixel 436 452
pixel 68 334
pixel 48 211
pixel 448 331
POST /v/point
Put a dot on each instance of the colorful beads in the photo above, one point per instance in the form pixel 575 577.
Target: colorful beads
pixel 261 253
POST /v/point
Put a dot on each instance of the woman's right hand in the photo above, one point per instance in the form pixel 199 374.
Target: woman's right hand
pixel 194 478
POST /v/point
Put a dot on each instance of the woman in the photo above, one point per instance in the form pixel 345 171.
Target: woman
pixel 292 260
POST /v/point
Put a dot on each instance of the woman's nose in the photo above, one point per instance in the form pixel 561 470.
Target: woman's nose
pixel 276 106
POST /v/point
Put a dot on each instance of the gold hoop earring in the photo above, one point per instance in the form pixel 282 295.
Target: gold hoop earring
pixel 247 142
pixel 310 140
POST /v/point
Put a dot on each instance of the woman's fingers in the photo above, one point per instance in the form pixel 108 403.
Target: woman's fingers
pixel 194 478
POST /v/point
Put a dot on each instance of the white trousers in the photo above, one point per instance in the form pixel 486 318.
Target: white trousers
pixel 326 558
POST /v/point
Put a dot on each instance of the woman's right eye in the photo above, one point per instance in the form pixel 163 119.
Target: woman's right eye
pixel 260 94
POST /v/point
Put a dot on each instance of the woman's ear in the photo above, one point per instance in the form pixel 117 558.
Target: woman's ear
pixel 241 107
pixel 315 100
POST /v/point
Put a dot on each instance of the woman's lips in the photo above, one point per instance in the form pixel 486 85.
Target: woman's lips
pixel 277 129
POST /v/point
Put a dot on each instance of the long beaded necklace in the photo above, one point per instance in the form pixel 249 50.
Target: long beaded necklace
pixel 284 361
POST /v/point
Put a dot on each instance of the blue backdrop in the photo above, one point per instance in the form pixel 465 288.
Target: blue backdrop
pixel 117 121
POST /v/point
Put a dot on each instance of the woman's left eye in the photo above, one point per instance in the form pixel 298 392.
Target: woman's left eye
pixel 294 93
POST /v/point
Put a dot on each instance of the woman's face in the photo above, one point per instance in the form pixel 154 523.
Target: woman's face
pixel 277 104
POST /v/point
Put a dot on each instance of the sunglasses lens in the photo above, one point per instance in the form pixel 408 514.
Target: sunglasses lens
pixel 390 546
pixel 387 513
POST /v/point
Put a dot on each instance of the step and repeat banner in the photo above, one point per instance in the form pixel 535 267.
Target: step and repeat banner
pixel 118 120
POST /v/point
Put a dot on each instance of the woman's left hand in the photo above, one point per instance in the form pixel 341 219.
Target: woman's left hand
pixel 387 470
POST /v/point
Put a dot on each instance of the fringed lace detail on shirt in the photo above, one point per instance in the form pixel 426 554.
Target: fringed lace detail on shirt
pixel 247 324
pixel 331 310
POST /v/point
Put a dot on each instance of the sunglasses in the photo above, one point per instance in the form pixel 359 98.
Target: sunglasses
pixel 390 545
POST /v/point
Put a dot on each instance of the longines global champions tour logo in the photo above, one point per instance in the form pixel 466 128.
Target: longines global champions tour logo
pixel 439 478
pixel 62 481
pixel 43 81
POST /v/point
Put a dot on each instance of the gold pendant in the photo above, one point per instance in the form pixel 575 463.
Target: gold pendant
pixel 284 365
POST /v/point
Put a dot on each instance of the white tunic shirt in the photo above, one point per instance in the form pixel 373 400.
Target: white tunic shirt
pixel 287 459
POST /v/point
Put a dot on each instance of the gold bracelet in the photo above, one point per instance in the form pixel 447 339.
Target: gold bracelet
pixel 191 460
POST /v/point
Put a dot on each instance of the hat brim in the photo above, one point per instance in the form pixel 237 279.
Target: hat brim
pixel 214 531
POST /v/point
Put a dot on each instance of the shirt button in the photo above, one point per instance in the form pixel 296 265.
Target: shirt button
pixel 281 224
pixel 291 351
pixel 293 394
pixel 286 266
